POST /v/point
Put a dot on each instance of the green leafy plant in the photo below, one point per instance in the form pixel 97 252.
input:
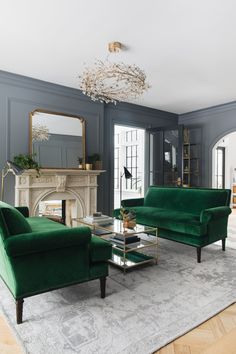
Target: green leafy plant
pixel 93 158
pixel 27 162
pixel 127 214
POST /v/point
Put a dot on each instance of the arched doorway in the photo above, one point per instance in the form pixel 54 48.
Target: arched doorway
pixel 224 176
pixel 224 162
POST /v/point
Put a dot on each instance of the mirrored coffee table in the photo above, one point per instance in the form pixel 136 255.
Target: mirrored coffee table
pixel 126 254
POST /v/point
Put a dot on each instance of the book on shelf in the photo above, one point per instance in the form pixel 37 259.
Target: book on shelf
pixel 125 237
pixel 130 245
pixel 99 232
pixel 100 217
pixel 127 240
pixel 103 219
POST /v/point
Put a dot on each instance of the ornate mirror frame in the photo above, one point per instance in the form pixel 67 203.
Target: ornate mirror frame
pixel 41 110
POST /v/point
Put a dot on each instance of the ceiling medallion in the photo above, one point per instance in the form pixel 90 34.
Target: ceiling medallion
pixel 113 82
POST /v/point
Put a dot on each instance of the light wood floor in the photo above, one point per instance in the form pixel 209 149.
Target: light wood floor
pixel 8 342
pixel 215 336
pixel 211 337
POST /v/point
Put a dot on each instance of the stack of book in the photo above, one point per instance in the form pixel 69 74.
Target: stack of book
pixel 100 220
pixel 121 240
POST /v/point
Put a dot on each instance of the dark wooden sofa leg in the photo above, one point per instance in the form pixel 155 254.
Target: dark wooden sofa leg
pixel 103 287
pixel 223 244
pixel 199 249
pixel 19 310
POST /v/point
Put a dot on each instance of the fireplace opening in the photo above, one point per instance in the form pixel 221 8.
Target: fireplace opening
pixel 54 210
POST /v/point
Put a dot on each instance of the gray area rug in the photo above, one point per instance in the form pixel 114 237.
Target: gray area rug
pixel 144 309
pixel 231 240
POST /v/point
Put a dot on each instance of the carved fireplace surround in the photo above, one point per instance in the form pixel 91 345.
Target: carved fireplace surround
pixel 77 187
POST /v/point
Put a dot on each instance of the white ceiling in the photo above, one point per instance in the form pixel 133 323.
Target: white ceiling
pixel 186 47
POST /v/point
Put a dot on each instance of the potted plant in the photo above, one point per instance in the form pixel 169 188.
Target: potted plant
pixel 129 218
pixel 80 161
pixel 27 162
pixel 95 160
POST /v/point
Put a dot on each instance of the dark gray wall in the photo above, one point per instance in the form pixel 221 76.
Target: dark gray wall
pixel 20 95
pixel 215 122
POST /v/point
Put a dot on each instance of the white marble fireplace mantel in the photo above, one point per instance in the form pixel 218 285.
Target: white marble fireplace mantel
pixel 58 184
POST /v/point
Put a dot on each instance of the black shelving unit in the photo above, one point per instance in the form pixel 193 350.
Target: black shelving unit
pixel 191 161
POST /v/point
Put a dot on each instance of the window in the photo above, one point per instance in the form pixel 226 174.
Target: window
pixel 129 148
pixel 116 168
pixel 220 167
pixel 131 135
pixel 132 166
pixel 117 139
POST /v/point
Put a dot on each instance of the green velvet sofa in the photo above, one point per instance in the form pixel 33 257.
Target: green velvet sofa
pixel 39 255
pixel 194 216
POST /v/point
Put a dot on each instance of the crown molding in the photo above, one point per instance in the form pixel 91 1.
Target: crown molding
pixel 43 86
pixel 207 112
pixel 131 107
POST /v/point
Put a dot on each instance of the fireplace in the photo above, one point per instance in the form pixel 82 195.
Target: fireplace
pixel 53 209
pixel 76 189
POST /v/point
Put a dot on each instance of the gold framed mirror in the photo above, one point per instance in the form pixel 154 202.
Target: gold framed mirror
pixel 57 140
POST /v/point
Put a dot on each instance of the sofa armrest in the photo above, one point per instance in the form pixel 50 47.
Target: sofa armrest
pixel 129 203
pixel 24 210
pixel 214 213
pixel 116 213
pixel 100 250
pixel 45 241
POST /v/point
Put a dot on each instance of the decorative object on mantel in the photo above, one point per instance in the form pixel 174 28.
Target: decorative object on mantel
pixel 111 82
pixel 95 160
pixel 10 167
pixel 88 166
pixel 27 162
pixel 80 161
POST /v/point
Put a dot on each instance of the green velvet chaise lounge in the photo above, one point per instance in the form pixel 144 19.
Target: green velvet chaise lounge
pixel 39 255
pixel 194 216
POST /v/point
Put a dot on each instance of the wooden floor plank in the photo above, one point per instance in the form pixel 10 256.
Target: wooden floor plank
pixel 226 345
pixel 8 342
pixel 168 350
pixel 216 330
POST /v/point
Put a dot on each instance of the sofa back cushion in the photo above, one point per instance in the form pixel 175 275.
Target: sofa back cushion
pixel 13 221
pixel 191 200
pixel 3 227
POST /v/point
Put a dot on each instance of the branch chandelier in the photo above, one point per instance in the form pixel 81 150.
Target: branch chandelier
pixel 111 82
pixel 40 133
